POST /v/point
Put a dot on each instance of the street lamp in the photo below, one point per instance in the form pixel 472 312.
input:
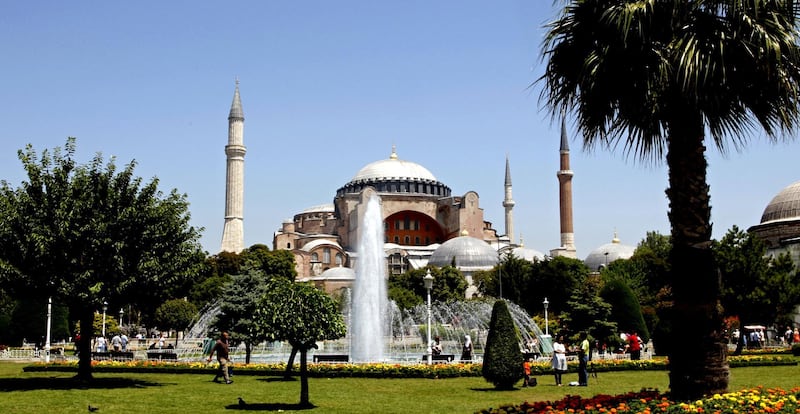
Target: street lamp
pixel 545 303
pixel 120 316
pixel 428 280
pixel 105 308
pixel 47 338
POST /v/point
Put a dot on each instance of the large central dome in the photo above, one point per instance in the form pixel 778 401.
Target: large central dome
pixel 395 176
pixel 784 206
pixel 393 168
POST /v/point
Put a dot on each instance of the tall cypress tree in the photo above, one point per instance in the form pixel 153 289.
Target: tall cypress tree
pixel 502 358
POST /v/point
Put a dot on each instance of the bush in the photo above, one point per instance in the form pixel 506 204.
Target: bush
pixel 796 349
pixel 502 359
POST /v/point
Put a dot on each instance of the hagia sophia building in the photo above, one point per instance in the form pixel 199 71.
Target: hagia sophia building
pixel 425 223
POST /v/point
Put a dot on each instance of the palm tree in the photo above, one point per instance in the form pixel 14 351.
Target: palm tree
pixel 653 77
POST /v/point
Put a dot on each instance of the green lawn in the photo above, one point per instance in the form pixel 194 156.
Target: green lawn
pixel 160 393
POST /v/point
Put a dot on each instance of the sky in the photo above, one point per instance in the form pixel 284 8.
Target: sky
pixel 328 87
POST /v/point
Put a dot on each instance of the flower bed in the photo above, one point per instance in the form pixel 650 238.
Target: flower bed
pixel 756 400
pixel 386 370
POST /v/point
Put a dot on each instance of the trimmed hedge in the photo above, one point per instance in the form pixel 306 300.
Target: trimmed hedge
pixel 384 370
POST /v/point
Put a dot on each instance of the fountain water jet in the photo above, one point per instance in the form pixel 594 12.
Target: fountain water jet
pixel 369 295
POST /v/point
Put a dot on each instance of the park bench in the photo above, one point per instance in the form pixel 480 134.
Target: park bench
pixel 331 358
pixel 439 358
pixel 112 356
pixel 162 355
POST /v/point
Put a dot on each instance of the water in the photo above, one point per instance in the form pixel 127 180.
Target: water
pixel 369 295
pixel 200 327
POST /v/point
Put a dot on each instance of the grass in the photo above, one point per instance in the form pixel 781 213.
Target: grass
pixel 55 392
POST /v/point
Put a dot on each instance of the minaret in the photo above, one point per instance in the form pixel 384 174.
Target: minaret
pixel 508 203
pixel 233 232
pixel 564 175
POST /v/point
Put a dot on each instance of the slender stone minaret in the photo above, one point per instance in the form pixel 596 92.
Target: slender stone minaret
pixel 508 203
pixel 233 232
pixel 564 175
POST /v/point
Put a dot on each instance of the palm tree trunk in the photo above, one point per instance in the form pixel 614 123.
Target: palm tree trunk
pixel 698 357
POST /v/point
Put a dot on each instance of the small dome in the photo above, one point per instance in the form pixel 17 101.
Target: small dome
pixel 467 253
pixel 607 253
pixel 336 273
pixel 321 208
pixel 784 206
pixel 393 168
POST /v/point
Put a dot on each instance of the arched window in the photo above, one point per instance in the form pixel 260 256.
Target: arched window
pixel 339 259
pixel 314 257
pixel 326 255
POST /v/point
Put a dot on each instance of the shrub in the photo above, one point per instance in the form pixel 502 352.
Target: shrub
pixel 502 359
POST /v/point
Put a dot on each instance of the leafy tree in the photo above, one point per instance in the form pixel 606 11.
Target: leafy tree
pixel 588 313
pixel 82 234
pixel 448 285
pixel 653 77
pixel 625 309
pixel 175 314
pixel 756 288
pixel 527 284
pixel 240 300
pixel 502 358
pixel 277 263
pixel 301 315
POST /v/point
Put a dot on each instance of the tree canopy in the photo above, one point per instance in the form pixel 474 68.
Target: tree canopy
pixel 652 77
pixel 301 315
pixel 84 234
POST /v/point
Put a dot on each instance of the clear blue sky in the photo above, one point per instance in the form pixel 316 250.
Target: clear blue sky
pixel 328 87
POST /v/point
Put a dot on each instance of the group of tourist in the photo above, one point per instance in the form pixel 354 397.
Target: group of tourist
pixel 119 343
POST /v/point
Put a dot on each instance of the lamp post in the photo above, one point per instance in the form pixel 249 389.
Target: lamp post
pixel 545 303
pixel 47 337
pixel 120 316
pixel 105 308
pixel 428 280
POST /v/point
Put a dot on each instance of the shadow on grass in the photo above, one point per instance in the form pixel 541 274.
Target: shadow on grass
pixel 491 389
pixel 53 383
pixel 270 407
pixel 278 379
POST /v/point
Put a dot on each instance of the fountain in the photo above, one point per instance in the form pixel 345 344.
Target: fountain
pixel 377 329
pixel 369 296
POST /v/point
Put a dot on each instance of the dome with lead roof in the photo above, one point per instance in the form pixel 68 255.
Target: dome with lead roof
pixel 395 168
pixel 467 253
pixel 607 253
pixel 395 176
pixel 784 206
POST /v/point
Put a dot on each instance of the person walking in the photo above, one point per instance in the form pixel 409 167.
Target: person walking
pixel 221 348
pixel 559 361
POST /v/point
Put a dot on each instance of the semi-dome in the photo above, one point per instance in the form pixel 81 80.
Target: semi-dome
pixel 607 253
pixel 336 273
pixel 525 253
pixel 467 253
pixel 784 206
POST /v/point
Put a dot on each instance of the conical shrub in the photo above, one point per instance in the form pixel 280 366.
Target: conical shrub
pixel 502 358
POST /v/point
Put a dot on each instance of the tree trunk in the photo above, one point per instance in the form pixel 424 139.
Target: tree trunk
pixel 304 401
pixel 698 359
pixel 290 365
pixel 248 350
pixel 85 345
